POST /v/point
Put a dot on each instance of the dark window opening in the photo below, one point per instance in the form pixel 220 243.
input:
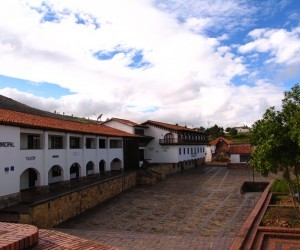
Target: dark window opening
pixel 56 142
pixel 102 143
pixel 115 144
pixel 142 156
pixel 34 142
pixel 244 158
pixel 89 143
pixel 139 131
pixel 74 142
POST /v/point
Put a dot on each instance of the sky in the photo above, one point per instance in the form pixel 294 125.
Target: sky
pixel 190 62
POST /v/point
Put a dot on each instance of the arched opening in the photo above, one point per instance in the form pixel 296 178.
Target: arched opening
pixel 116 165
pixel 90 168
pixel 55 174
pixel 169 137
pixel 30 178
pixel 74 171
pixel 102 167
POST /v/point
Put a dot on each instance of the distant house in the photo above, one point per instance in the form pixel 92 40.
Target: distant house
pixel 236 153
pixel 240 153
pixel 242 129
pixel 220 144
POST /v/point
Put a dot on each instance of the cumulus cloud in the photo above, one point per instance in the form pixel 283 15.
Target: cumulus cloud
pixel 138 59
pixel 283 45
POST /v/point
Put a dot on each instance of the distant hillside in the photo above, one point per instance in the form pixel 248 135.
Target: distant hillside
pixel 240 137
pixel 10 104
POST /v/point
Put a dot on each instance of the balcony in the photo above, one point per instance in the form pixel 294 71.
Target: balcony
pixel 177 141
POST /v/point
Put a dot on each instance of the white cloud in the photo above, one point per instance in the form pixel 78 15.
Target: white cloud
pixel 188 79
pixel 283 45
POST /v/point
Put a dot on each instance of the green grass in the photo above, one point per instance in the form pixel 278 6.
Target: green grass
pixel 240 137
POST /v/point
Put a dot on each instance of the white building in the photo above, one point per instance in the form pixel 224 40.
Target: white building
pixel 174 143
pixel 167 143
pixel 132 128
pixel 36 151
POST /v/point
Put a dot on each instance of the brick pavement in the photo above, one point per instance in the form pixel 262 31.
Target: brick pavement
pixel 16 236
pixel 200 208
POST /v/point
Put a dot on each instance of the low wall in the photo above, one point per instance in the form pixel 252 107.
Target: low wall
pixel 49 213
pixel 158 172
pixel 9 200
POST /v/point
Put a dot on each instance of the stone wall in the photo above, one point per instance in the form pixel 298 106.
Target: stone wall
pixel 159 172
pixel 53 212
pixel 9 200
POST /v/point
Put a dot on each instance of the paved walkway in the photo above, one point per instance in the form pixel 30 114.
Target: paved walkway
pixel 200 208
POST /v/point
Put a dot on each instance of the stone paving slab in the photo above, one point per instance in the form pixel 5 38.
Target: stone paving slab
pixel 199 208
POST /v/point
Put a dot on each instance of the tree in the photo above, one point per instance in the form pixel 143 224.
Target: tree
pixel 276 138
pixel 215 131
pixel 233 132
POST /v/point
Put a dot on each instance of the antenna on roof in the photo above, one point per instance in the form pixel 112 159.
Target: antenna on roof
pixel 99 117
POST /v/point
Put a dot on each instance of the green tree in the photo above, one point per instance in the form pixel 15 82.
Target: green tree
pixel 215 131
pixel 233 132
pixel 276 138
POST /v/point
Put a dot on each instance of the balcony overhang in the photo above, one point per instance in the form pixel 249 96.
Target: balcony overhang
pixel 176 141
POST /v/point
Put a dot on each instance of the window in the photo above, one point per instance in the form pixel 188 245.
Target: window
pixel 102 143
pixel 56 142
pixel 169 138
pixel 89 143
pixel 34 142
pixel 139 131
pixel 74 142
pixel 184 151
pixel 188 150
pixel 244 158
pixel 198 150
pixel 115 144
pixel 180 151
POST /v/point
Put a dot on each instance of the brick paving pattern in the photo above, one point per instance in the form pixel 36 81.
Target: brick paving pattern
pixel 200 208
pixel 17 236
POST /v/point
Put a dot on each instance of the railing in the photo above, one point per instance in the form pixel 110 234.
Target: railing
pixel 177 141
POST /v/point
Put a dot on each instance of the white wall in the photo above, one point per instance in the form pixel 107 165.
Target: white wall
pixel 208 154
pixel 120 126
pixel 18 160
pixel 9 181
pixel 235 158
pixel 156 153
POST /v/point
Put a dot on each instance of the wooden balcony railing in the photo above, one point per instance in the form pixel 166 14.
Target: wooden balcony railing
pixel 177 141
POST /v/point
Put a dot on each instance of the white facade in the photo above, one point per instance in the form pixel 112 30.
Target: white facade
pixel 31 157
pixel 119 125
pixel 236 158
pixel 171 153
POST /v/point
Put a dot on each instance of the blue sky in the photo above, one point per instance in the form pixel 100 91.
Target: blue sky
pixel 179 61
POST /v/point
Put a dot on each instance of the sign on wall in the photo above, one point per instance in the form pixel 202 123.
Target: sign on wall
pixel 7 144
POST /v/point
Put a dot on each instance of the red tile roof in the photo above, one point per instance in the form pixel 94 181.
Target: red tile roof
pixel 170 126
pixel 240 148
pixel 215 141
pixel 13 118
pixel 127 122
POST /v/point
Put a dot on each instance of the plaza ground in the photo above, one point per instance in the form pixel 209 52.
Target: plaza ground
pixel 201 208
